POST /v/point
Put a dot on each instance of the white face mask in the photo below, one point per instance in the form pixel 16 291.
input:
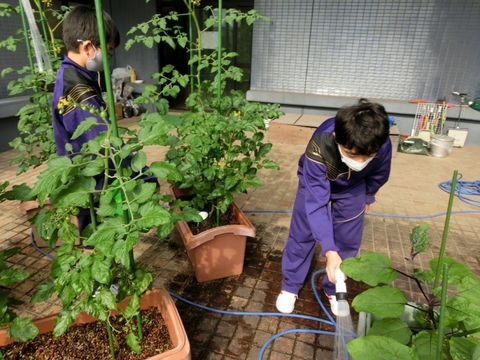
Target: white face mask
pixel 95 63
pixel 352 164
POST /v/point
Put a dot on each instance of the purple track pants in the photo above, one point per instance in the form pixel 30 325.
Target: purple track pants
pixel 347 211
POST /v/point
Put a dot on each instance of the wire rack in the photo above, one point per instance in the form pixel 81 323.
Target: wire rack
pixel 430 117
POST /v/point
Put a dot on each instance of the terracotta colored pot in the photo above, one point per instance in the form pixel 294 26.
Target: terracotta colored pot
pixel 31 208
pixel 218 252
pixel 158 298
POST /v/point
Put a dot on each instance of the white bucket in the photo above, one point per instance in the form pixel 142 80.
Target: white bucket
pixel 441 145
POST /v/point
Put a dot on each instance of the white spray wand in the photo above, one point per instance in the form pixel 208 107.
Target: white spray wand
pixel 341 293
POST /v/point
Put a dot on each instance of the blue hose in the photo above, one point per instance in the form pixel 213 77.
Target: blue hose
pixel 331 321
pixel 378 214
pixel 34 243
pixel 463 190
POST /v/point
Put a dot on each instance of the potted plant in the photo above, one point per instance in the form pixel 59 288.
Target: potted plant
pixel 444 325
pixel 218 146
pixel 14 326
pixel 106 281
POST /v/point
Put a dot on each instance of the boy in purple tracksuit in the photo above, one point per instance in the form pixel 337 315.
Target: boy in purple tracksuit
pixel 78 81
pixel 345 163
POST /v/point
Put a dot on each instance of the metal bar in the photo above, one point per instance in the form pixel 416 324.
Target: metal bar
pixel 219 50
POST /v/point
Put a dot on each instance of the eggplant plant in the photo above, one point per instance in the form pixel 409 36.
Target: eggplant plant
pixel 447 321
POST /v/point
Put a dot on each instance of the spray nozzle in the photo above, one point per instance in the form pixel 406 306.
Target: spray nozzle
pixel 340 286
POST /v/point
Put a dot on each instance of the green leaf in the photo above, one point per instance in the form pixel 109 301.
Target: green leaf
pixel 67 295
pixel 464 348
pixel 254 182
pixel 382 301
pixel 418 237
pixel 371 268
pixel 121 252
pixel 456 270
pixel 94 167
pixel 106 298
pixel 22 329
pixel 425 345
pixel 56 174
pixel 143 280
pixel 469 288
pixel 144 191
pixel 85 280
pixel 84 126
pixel 393 328
pixel 163 170
pixel 18 192
pixel 12 276
pixel 106 233
pixel 153 215
pixel 62 322
pixel 94 146
pixel 459 309
pixel 269 164
pixel 76 193
pixel 132 341
pixel 379 348
pixel 101 271
pixel 163 231
pixel 476 352
pixel 139 161
pixel 43 292
pixel 133 307
pixel 427 276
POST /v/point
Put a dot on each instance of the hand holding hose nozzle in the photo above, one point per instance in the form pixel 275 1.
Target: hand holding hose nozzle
pixel 341 293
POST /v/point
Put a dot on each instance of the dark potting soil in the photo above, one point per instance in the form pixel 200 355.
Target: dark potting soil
pixel 90 342
pixel 225 219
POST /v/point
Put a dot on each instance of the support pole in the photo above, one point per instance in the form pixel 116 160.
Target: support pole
pixel 190 39
pixel 27 39
pixel 219 51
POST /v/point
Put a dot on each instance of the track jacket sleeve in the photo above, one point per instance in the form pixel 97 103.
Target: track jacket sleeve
pixel 377 178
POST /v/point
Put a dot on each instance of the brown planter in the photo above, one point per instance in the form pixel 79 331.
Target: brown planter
pixel 31 208
pixel 158 298
pixel 218 252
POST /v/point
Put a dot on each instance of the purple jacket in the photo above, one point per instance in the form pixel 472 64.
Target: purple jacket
pixel 81 86
pixel 324 177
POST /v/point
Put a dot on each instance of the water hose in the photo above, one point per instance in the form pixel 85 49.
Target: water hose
pixel 330 320
pixel 464 190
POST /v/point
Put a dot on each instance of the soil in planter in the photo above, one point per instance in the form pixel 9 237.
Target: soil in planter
pixel 90 341
pixel 210 222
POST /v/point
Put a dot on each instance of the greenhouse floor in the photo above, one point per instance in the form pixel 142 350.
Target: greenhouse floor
pixel 411 196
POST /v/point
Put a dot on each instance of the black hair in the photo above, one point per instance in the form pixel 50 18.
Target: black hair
pixel 363 127
pixel 81 24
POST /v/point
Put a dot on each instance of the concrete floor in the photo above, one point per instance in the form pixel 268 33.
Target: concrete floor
pixel 412 192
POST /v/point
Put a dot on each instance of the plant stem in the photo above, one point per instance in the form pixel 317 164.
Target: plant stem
pixel 416 280
pixel 445 228
pixel 91 206
pixel 193 16
pixel 465 333
pixel 442 311
pixel 110 339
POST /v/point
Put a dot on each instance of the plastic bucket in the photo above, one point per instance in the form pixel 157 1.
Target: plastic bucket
pixel 441 145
